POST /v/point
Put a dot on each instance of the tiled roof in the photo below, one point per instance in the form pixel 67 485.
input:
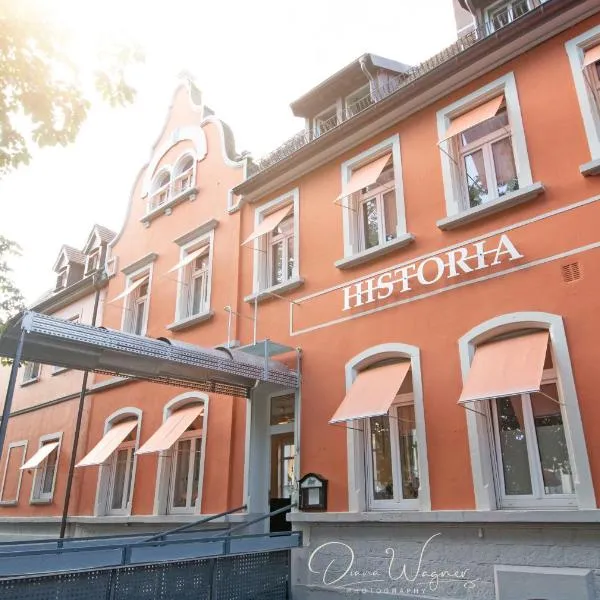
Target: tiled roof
pixel 74 255
pixel 106 235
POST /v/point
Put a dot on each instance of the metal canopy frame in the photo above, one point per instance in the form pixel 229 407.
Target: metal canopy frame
pixel 50 340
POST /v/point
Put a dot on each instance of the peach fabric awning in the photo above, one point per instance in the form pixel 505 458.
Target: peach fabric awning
pixel 372 392
pixel 189 258
pixel 171 430
pixel 134 286
pixel 269 223
pixel 506 367
pixel 365 176
pixel 108 444
pixel 478 115
pixel 36 460
pixel 591 56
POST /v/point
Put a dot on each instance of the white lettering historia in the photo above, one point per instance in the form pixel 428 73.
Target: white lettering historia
pixel 447 265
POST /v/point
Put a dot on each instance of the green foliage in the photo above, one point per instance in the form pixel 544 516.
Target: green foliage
pixel 11 300
pixel 45 95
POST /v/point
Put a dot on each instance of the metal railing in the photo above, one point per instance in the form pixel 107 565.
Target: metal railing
pixel 383 90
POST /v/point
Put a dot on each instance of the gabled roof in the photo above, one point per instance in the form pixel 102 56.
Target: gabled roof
pixel 72 255
pixel 105 234
pixel 345 81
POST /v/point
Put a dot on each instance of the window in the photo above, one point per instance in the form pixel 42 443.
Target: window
pixel 121 476
pixel 195 285
pixel 584 57
pixel 184 175
pixel 326 121
pixel 31 372
pixel 486 160
pixel 11 478
pixel 485 164
pixel 372 203
pixel 504 13
pixel 92 261
pixel 45 473
pixel 283 448
pixel 161 187
pixel 61 278
pixel 526 447
pixel 281 252
pixel 185 470
pixel 358 101
pixel 136 310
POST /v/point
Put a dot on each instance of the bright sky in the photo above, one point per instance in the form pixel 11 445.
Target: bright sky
pixel 250 59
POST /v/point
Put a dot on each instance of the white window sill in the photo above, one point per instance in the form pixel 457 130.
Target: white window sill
pixel 9 503
pixel 40 501
pixel 479 212
pixel 167 207
pixel 372 253
pixel 61 370
pixel 190 321
pixel 281 288
pixel 30 381
pixel 590 168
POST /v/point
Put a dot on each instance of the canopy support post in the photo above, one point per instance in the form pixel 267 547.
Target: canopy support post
pixel 10 390
pixel 76 433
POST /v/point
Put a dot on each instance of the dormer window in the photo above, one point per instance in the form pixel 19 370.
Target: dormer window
pixel 161 190
pixel 326 121
pixel 359 100
pixel 184 175
pixel 503 13
pixel 92 262
pixel 61 279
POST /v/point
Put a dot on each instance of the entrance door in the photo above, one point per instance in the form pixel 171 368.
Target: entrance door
pixel 283 454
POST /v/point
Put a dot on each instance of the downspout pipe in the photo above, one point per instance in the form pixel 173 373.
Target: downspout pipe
pixel 362 61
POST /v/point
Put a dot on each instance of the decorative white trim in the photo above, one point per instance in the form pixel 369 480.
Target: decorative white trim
pixel 357 477
pixel 392 143
pixel 163 469
pixel 197 232
pixel 49 437
pixel 453 188
pixel 589 111
pixel 481 461
pixel 148 269
pixel 103 483
pixel 19 444
pixel 259 250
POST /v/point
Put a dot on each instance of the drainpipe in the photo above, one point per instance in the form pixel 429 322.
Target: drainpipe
pixel 362 61
pixel 98 278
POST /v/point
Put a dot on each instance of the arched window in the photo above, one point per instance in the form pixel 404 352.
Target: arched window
pixel 180 443
pixel 387 452
pixel 184 174
pixel 525 431
pixel 161 189
pixel 115 455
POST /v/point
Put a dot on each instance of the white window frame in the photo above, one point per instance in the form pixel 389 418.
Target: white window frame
pixel 9 448
pixel 284 428
pixel 537 498
pixel 32 372
pixel 398 502
pixel 185 275
pixel 188 173
pixel 590 111
pixel 319 119
pixel 104 487
pixel 157 190
pixel 508 6
pixel 36 497
pixel 261 248
pixel 196 440
pixel 128 318
pixel 63 275
pixel 357 96
pixel 454 187
pixel 359 482
pixel 478 423
pixel 94 255
pixel 165 469
pixel 351 226
pixel 272 241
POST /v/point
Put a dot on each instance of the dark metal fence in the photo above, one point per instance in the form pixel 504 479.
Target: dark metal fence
pixel 253 576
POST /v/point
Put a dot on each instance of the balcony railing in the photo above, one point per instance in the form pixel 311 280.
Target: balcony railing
pixel 393 85
pixel 171 190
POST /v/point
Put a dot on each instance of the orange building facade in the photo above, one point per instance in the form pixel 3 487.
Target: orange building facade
pixel 429 244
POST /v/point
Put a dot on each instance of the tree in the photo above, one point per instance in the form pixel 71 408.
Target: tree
pixel 45 97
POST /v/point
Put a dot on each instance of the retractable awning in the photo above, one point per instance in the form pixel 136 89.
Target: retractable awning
pixel 54 341
pixel 134 286
pixel 591 56
pixel 38 458
pixel 507 367
pixel 269 223
pixel 372 392
pixel 189 258
pixel 478 115
pixel 171 430
pixel 364 176
pixel 108 444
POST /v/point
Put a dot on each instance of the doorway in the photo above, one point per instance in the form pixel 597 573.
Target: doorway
pixel 282 458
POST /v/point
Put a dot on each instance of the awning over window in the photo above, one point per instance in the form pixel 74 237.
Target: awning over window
pixel 108 444
pixel 189 258
pixel 591 56
pixel 372 392
pixel 269 223
pixel 478 115
pixel 171 430
pixel 36 460
pixel 365 176
pixel 134 286
pixel 506 367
